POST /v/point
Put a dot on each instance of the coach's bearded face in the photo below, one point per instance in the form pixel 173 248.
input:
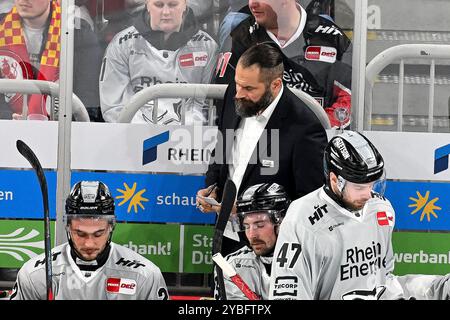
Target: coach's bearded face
pixel 247 108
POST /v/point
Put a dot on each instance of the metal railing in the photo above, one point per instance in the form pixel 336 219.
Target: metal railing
pixel 211 91
pixel 45 88
pixel 431 52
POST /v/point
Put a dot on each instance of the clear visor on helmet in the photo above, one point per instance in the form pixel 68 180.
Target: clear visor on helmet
pixel 255 219
pixel 355 189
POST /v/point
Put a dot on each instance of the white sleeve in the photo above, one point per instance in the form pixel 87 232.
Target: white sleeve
pixel 114 82
pixel 24 288
pixel 425 287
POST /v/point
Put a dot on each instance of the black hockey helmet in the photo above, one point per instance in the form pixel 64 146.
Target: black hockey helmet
pixel 270 198
pixel 90 199
pixel 353 157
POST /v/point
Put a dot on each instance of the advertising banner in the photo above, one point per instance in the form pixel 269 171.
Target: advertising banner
pixel 20 194
pixel 138 197
pixel 20 240
pixel 187 149
pixel 160 243
pixel 153 198
pixel 421 253
pixel 197 249
pixel 113 146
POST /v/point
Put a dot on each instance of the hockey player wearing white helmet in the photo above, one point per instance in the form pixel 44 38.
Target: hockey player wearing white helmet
pixel 89 266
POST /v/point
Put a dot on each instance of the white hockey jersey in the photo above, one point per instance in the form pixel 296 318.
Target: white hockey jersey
pixel 326 252
pixel 137 58
pixel 126 275
pixel 252 269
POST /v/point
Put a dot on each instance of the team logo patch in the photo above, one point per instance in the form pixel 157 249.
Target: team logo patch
pixel 385 218
pixel 121 285
pixel 321 53
pixel 193 59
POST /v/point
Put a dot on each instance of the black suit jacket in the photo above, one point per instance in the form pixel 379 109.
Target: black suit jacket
pixel 301 143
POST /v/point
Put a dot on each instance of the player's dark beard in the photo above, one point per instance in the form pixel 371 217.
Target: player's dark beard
pixel 246 108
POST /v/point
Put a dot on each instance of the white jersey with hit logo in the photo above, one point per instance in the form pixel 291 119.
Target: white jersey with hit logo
pixel 326 252
pixel 126 275
pixel 254 271
pixel 132 63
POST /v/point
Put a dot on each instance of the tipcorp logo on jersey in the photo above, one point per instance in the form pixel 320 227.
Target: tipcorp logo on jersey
pixel 181 149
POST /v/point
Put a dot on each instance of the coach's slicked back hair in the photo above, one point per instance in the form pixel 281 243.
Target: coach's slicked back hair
pixel 266 56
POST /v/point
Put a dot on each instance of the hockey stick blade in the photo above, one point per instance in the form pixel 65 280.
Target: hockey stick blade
pixel 230 272
pixel 28 154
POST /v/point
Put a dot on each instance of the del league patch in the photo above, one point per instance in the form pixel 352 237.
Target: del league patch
pixel 121 285
pixel 321 53
pixel 193 59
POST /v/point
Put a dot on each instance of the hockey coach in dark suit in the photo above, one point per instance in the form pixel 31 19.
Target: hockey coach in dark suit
pixel 266 133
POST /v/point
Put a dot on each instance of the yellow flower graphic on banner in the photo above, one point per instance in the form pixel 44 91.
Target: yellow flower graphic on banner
pixel 423 203
pixel 135 199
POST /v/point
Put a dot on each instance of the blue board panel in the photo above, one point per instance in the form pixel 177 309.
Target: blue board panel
pixel 138 197
pixel 20 194
pixel 153 198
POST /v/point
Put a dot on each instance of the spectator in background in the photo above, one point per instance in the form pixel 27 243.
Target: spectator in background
pixel 313 48
pixel 164 45
pixel 260 210
pixel 277 138
pixel 6 6
pixel 34 53
pixel 118 19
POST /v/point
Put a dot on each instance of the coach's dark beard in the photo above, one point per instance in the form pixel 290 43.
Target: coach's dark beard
pixel 247 108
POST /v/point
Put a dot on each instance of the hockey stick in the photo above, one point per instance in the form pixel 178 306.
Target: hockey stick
pixel 33 160
pixel 228 197
pixel 230 272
